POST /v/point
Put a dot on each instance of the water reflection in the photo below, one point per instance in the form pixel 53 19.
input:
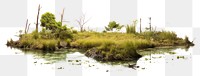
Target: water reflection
pixel 156 62
pixel 71 61
pixel 75 57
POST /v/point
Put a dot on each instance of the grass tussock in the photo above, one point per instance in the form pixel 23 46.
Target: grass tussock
pixel 131 29
pixel 49 44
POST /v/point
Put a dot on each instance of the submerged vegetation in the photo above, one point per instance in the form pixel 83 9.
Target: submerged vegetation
pixel 102 46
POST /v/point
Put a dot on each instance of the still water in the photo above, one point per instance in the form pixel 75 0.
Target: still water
pixel 164 61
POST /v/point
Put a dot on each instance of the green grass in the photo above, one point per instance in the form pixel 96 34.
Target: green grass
pixel 49 44
pixel 111 46
pixel 123 46
pixel 131 29
pixel 30 41
pixel 159 35
pixel 105 46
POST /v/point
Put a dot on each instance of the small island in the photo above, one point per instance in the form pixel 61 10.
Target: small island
pixel 108 45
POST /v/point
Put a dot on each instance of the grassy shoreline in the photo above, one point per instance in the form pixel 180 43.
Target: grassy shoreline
pixel 102 46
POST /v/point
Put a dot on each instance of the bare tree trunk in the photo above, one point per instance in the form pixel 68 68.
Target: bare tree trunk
pixel 26 26
pixel 140 25
pixel 38 17
pixel 150 23
pixel 62 15
pixel 82 22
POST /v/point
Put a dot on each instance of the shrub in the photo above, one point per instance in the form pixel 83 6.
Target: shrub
pixel 113 25
pixel 74 31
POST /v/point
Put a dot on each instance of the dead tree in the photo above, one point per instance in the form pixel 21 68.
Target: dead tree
pixel 38 17
pixel 140 25
pixel 81 22
pixel 150 23
pixel 62 17
pixel 62 14
pixel 26 26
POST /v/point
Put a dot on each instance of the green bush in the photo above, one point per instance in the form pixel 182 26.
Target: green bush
pixel 113 25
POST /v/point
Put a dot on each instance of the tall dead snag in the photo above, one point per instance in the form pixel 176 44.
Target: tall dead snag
pixel 140 25
pixel 26 26
pixel 38 17
pixel 81 22
pixel 62 14
pixel 150 23
pixel 62 17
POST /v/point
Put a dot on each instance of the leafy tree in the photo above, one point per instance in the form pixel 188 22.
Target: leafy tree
pixel 57 30
pixel 48 21
pixel 113 25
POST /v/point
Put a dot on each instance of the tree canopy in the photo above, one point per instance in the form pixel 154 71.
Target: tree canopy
pixel 48 21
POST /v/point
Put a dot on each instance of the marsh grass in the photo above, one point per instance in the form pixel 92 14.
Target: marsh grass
pixel 124 46
pixel 131 29
pixel 34 41
pixel 159 35
pixel 106 46
pixel 112 46
pixel 49 45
